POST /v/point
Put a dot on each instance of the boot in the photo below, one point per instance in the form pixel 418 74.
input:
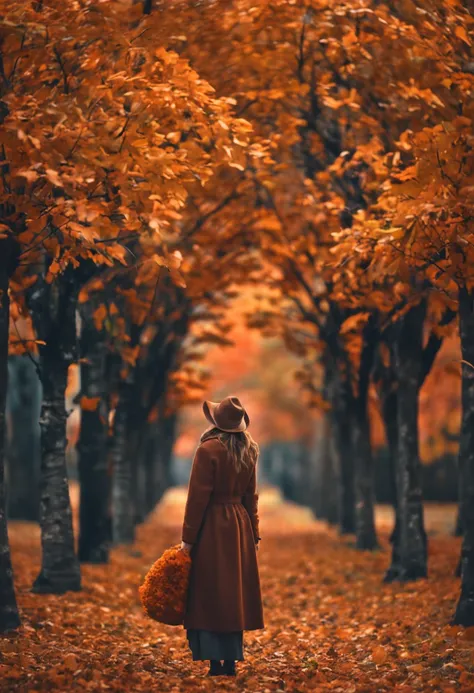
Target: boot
pixel 215 668
pixel 229 667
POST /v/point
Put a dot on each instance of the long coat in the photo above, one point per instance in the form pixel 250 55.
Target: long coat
pixel 221 522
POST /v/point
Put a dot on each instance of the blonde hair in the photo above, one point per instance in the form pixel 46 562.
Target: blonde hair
pixel 243 450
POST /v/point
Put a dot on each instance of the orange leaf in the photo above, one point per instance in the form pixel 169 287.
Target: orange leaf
pixel 99 316
pixel 461 33
pixel 379 655
pixel 90 403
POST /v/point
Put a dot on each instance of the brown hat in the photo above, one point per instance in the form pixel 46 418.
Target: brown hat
pixel 228 415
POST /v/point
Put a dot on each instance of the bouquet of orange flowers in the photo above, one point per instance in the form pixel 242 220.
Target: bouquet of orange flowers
pixel 164 590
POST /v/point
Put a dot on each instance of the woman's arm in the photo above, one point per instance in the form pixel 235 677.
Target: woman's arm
pixel 250 502
pixel 201 484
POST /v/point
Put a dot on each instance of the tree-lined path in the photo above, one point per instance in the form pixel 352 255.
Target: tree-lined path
pixel 270 199
pixel 331 623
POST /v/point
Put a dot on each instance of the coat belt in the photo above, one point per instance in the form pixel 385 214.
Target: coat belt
pixel 226 500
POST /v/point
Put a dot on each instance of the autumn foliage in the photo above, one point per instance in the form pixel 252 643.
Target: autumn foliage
pixel 311 160
pixel 164 591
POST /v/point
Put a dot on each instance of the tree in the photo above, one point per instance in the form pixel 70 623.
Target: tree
pixel 94 474
pixel 23 440
pixel 113 135
pixel 9 251
pixel 422 233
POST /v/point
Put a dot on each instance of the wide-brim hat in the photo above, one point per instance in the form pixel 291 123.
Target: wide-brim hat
pixel 228 415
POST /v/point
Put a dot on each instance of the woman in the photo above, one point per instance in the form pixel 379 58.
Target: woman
pixel 221 531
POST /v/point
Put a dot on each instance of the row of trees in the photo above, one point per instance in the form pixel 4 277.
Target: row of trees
pixel 361 219
pixel 111 148
pixel 138 195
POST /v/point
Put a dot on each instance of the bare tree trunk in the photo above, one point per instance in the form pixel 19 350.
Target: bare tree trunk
pixel 465 608
pixel 9 617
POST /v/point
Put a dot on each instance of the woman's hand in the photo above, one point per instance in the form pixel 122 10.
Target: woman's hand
pixel 186 547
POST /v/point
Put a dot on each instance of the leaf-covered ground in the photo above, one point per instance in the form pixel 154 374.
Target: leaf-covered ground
pixel 331 624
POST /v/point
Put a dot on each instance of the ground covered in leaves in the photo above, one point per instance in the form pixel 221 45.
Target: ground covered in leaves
pixel 330 622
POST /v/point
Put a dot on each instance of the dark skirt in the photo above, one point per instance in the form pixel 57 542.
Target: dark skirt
pixel 206 644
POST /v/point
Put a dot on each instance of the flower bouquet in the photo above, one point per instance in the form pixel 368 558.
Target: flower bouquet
pixel 164 590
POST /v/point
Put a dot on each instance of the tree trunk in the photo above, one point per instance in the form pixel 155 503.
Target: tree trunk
pixel 389 411
pixel 136 447
pixel 157 459
pixel 94 532
pixel 317 460
pixel 341 427
pixel 346 479
pixel 60 568
pixel 459 528
pixel 412 541
pixel 327 482
pixel 366 538
pixel 23 447
pixel 137 454
pixel 151 464
pixel 169 427
pixel 123 512
pixel 465 608
pixel 9 618
pixel 53 308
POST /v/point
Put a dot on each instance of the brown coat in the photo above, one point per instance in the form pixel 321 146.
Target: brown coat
pixel 221 521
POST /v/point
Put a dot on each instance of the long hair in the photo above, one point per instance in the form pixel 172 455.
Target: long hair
pixel 243 450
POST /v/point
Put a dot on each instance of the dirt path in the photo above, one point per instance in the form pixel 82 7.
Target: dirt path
pixel 331 624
